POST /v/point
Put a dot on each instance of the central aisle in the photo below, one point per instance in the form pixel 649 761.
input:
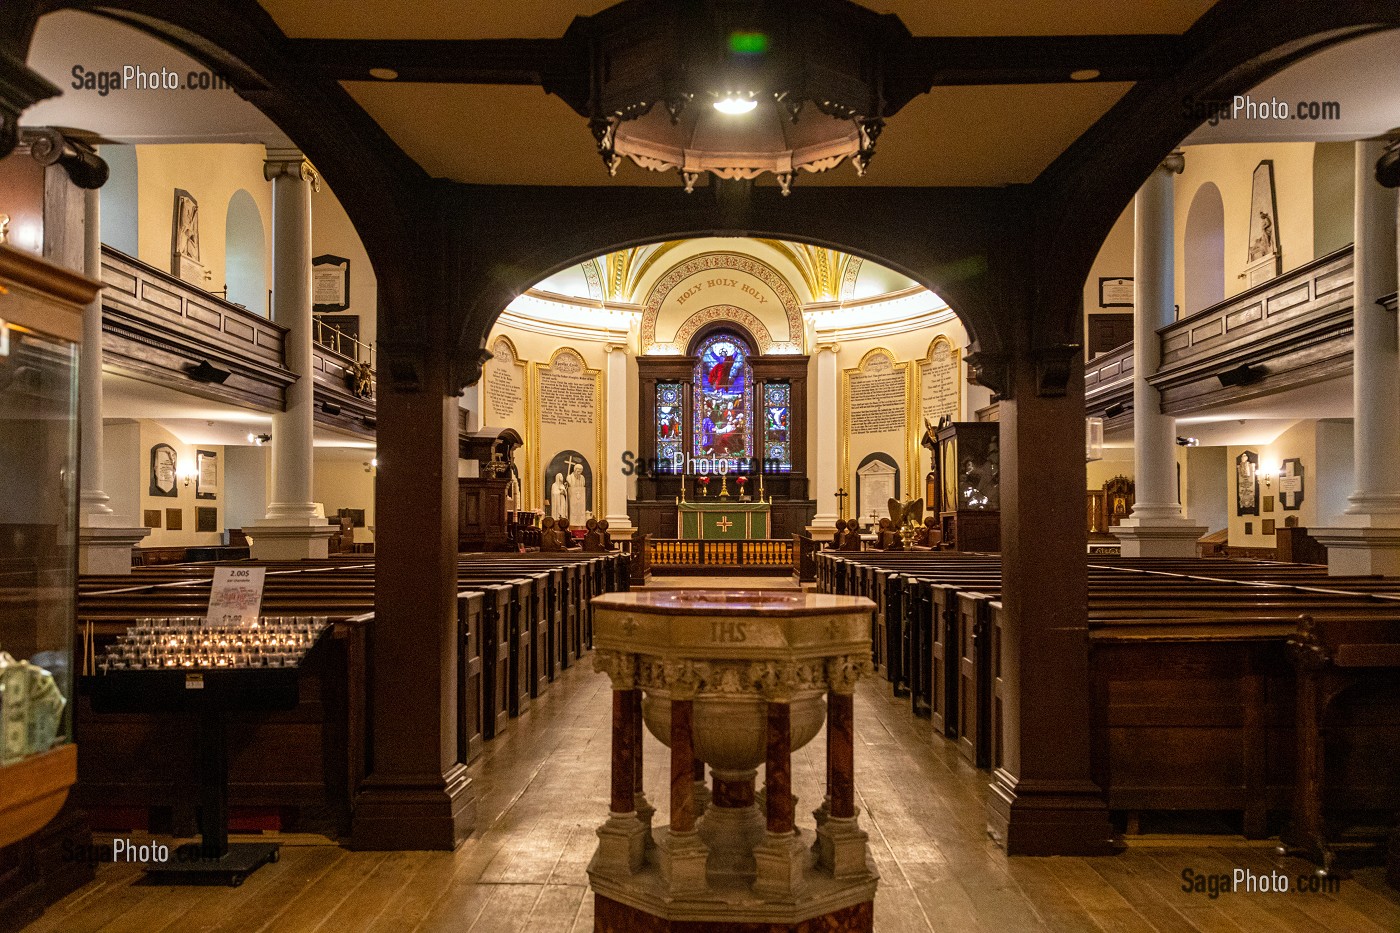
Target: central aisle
pixel 543 789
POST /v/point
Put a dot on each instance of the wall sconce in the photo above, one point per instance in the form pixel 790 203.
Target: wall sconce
pixel 371 464
pixel 1269 471
pixel 185 472
pixel 257 440
pixel 1188 442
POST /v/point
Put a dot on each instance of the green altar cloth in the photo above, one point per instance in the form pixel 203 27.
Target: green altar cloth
pixel 723 520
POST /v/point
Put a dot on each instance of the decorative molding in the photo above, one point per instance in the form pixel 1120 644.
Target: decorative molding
pixel 290 163
pixel 992 369
pixel 1053 365
pixel 621 668
pixel 757 268
pixel 713 313
pixel 689 678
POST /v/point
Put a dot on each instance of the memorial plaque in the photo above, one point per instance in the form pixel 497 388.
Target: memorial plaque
pixel 939 387
pixel 877 395
pixel 567 391
pixel 505 385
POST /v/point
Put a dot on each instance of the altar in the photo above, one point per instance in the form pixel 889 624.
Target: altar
pixel 723 520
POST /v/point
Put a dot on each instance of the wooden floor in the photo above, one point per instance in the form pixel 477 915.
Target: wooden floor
pixel 543 789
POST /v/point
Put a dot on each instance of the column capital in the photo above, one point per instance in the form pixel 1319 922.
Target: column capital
pixel 1174 163
pixel 290 163
pixel 828 346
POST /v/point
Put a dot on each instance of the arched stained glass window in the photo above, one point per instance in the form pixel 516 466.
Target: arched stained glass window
pixel 723 399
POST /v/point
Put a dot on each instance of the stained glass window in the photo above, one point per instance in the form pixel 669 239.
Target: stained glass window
pixel 723 399
pixel 669 426
pixel 777 452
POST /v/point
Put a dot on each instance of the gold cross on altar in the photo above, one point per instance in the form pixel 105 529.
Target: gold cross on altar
pixel 724 524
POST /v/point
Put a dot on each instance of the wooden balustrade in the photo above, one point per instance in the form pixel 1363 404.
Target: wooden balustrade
pixel 672 553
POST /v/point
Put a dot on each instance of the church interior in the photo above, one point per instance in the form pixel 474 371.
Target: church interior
pixel 633 455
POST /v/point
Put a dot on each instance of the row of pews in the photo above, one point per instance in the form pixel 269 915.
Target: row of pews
pixel 522 618
pixel 1260 690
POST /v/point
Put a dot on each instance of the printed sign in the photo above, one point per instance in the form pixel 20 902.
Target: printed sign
pixel 236 596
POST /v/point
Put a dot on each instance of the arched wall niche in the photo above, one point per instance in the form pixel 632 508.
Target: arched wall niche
pixel 245 253
pixel 1204 249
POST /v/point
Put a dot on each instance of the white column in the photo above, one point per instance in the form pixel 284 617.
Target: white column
pixel 1365 539
pixel 619 403
pixel 292 529
pixel 105 539
pixel 825 426
pixel 1156 527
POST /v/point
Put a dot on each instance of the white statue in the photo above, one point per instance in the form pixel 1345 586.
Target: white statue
pixel 559 498
pixel 578 497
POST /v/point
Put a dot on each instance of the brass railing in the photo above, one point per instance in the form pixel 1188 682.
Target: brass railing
pixel 337 341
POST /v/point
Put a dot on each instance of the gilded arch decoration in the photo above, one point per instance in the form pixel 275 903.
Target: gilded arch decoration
pixel 792 308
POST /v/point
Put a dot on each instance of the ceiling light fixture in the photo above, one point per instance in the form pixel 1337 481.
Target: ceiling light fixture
pixel 736 104
pixel 813 76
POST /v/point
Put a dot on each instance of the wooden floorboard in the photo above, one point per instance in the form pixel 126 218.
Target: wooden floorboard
pixel 543 791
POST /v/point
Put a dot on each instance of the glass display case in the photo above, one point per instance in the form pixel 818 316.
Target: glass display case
pixel 40 328
pixel 968 484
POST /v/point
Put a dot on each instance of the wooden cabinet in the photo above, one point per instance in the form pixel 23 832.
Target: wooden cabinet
pixel 967 485
pixel 481 514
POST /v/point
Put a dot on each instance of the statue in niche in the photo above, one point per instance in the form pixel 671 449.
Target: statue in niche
pixel 559 497
pixel 577 496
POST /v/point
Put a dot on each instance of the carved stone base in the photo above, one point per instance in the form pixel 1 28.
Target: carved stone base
pixel 610 916
pixel 841 849
pixel 277 539
pixel 731 834
pixel 622 845
pixel 681 858
pixel 782 862
pixel 1367 544
pixel 1158 537
pixel 107 550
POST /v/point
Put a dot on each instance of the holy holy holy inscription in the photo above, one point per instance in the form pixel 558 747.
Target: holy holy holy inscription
pixel 877 397
pixel 567 391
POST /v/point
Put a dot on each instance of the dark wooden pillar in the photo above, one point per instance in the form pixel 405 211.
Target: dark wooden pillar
pixel 1043 800
pixel 682 767
pixel 417 794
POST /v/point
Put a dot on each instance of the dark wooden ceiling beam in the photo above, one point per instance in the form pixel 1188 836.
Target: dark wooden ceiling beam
pixel 918 63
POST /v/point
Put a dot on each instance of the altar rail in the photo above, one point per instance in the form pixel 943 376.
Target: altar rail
pixel 670 554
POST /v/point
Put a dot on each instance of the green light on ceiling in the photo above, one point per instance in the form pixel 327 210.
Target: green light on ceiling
pixel 748 43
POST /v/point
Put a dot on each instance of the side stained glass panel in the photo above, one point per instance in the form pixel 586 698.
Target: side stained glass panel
pixel 669 425
pixel 777 410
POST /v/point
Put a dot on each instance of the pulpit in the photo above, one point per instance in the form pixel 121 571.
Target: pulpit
pixel 968 505
pixel 723 520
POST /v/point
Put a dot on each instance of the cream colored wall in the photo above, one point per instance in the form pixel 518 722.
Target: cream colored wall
pixel 910 347
pixel 212 173
pixel 1117 461
pixel 534 348
pixel 1114 261
pixel 332 232
pixel 343 483
pixel 151 434
pixel 1298 441
pixel 1231 169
